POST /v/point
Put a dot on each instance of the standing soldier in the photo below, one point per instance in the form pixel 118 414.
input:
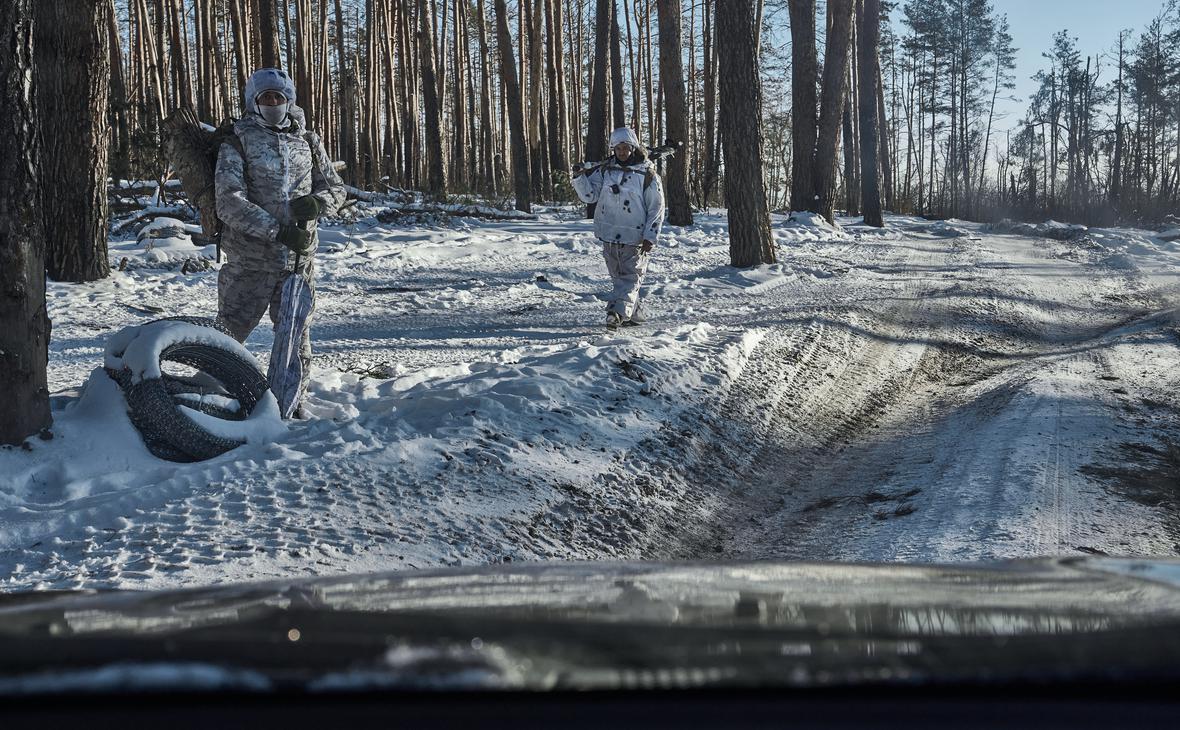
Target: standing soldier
pixel 274 180
pixel 627 219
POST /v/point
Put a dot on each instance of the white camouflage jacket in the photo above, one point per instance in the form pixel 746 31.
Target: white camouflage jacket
pixel 627 212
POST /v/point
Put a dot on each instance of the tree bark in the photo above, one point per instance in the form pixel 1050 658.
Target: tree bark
pixel 121 159
pixel 436 179
pixel 511 86
pixel 868 35
pixel 487 140
pixel 556 127
pixel 268 30
pixel 533 21
pixel 24 322
pixel 676 111
pixel 885 160
pixel 804 73
pixel 618 100
pixel 750 243
pixel 596 124
pixel 831 106
pixel 73 82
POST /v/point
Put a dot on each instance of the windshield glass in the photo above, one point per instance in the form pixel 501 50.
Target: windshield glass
pixel 319 290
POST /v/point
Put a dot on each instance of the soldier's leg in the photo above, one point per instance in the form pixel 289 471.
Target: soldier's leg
pixel 632 268
pixel 613 254
pixel 243 294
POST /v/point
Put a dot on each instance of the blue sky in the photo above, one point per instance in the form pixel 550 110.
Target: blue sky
pixel 1095 23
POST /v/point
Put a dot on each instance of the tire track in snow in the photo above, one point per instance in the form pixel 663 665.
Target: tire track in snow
pixel 966 449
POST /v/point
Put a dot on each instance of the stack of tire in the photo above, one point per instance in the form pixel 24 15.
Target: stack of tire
pixel 156 405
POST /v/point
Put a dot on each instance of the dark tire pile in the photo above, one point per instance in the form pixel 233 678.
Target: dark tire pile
pixel 154 404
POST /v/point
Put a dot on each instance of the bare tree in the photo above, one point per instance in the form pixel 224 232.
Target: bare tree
pixel 436 178
pixel 266 14
pixel 750 243
pixel 24 322
pixel 804 72
pixel 73 81
pixel 867 36
pixel 511 84
pixel 596 124
pixel 831 106
pixel 675 109
pixel 618 98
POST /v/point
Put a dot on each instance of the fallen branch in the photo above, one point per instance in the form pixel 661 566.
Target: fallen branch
pixel 460 211
pixel 150 214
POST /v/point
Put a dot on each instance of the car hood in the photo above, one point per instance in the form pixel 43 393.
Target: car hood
pixel 608 626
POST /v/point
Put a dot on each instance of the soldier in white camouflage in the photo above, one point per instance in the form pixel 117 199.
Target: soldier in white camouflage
pixel 271 188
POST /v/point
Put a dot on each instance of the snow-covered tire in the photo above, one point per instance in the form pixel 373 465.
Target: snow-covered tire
pixel 154 404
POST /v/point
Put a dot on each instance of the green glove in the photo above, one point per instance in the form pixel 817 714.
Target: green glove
pixel 306 208
pixel 296 238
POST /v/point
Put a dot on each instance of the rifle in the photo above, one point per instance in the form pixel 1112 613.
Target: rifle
pixel 655 154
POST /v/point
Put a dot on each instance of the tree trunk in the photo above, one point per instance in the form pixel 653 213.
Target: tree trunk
pixel 535 41
pixel 618 100
pixel 851 161
pixel 868 34
pixel 750 243
pixel 73 82
pixel 487 140
pixel 267 19
pixel 710 108
pixel 24 322
pixel 511 86
pixel 804 72
pixel 831 106
pixel 596 133
pixel 557 149
pixel 1117 161
pixel 436 178
pixel 121 159
pixel 672 78
pixel 885 161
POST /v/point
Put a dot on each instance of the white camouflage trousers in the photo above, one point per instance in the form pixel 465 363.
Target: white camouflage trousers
pixel 627 265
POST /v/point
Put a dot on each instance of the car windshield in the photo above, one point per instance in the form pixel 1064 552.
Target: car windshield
pixel 810 293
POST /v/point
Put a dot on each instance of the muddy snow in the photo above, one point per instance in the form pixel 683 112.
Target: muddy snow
pixel 931 392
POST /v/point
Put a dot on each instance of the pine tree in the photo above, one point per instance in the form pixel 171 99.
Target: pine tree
pixel 804 70
pixel 675 110
pixel 867 38
pixel 750 243
pixel 831 107
pixel 24 322
pixel 73 81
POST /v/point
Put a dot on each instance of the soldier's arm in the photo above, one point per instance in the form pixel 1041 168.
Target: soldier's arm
pixel 653 201
pixel 233 206
pixel 325 181
pixel 588 186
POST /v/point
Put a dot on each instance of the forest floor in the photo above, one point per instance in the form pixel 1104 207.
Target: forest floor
pixel 929 392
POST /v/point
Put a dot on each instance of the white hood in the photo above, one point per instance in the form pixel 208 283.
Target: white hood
pixel 623 134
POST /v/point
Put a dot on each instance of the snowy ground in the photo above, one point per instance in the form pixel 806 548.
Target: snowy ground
pixel 929 392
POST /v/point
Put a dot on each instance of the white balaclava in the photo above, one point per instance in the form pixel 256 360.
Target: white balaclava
pixel 270 79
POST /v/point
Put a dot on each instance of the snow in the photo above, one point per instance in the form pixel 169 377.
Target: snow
pixel 138 348
pixel 931 391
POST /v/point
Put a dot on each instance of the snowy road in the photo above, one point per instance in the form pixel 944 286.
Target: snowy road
pixel 930 392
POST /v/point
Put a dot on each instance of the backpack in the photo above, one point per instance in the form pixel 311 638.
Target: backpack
pixel 192 148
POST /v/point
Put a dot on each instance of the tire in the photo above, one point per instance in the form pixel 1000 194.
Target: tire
pixel 154 405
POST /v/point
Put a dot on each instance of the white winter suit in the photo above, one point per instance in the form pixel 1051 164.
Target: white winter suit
pixel 630 209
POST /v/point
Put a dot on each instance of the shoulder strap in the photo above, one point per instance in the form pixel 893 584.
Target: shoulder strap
pixel 313 146
pixel 236 142
pixel 648 178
